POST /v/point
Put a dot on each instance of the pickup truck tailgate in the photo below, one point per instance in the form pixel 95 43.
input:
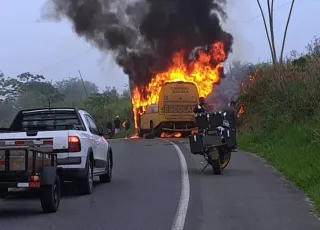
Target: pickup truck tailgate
pixel 60 138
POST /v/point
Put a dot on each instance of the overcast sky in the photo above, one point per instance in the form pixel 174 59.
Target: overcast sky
pixel 29 44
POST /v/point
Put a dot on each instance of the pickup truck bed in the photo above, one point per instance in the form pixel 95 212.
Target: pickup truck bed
pixel 82 151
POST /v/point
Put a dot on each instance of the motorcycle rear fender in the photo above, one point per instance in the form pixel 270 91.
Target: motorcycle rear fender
pixel 214 154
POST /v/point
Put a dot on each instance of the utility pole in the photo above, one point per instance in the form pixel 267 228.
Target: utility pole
pixel 83 83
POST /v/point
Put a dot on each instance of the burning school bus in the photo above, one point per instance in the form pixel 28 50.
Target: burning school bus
pixel 166 103
pixel 173 112
pixel 153 50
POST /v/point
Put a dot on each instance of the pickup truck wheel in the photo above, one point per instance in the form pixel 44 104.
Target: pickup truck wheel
pixel 106 178
pixel 85 186
pixel 3 192
pixel 50 196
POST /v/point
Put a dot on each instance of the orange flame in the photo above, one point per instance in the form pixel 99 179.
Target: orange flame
pixel 171 135
pixel 194 131
pixel 243 86
pixel 135 136
pixel 201 72
pixel 241 111
pixel 252 78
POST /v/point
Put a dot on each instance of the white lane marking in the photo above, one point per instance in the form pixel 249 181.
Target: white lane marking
pixel 179 220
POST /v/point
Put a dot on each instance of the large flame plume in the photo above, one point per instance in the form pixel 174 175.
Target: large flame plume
pixel 204 71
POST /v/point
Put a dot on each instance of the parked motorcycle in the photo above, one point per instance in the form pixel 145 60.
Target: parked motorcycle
pixel 214 141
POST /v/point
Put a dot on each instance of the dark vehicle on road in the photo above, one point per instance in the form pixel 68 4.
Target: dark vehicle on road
pixel 213 140
pixel 30 164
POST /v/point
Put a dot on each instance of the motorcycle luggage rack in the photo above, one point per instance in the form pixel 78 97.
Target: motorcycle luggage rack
pixel 199 143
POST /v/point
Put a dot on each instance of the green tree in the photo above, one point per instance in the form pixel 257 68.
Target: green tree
pixel 28 91
pixel 25 91
pixel 74 90
pixel 32 91
pixel 107 105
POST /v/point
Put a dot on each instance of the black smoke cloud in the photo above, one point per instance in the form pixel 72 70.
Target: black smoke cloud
pixel 230 87
pixel 143 34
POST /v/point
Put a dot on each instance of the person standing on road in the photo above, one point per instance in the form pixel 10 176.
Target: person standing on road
pixel 109 127
pixel 127 127
pixel 117 124
pixel 231 116
pixel 199 108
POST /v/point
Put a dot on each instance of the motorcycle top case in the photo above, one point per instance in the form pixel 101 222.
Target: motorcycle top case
pixel 196 144
pixel 209 120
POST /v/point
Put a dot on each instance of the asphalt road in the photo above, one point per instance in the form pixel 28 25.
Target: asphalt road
pixel 146 194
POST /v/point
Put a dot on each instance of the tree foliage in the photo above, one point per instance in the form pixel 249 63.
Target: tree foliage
pixel 284 97
pixel 33 91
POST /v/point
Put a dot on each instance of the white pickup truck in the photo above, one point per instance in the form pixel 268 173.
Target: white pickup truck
pixel 82 151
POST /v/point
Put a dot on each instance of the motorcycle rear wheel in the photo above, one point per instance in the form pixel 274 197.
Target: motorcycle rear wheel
pixel 215 161
pixel 225 162
pixel 216 166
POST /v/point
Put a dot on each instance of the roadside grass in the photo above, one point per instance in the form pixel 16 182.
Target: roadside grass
pixel 281 119
pixel 294 151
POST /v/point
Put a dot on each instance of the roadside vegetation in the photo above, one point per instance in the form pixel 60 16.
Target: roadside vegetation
pixel 32 91
pixel 281 117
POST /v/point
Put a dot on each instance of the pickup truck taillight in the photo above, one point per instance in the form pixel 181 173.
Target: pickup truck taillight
pixel 74 144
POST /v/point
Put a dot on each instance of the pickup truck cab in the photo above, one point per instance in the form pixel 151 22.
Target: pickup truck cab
pixel 82 151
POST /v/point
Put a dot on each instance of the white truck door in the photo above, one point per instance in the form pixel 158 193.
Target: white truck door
pixel 99 146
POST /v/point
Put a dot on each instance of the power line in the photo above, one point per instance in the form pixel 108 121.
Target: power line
pixel 84 86
pixel 259 16
pixel 65 60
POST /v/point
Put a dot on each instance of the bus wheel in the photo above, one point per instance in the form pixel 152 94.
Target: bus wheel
pixel 141 132
pixel 151 126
